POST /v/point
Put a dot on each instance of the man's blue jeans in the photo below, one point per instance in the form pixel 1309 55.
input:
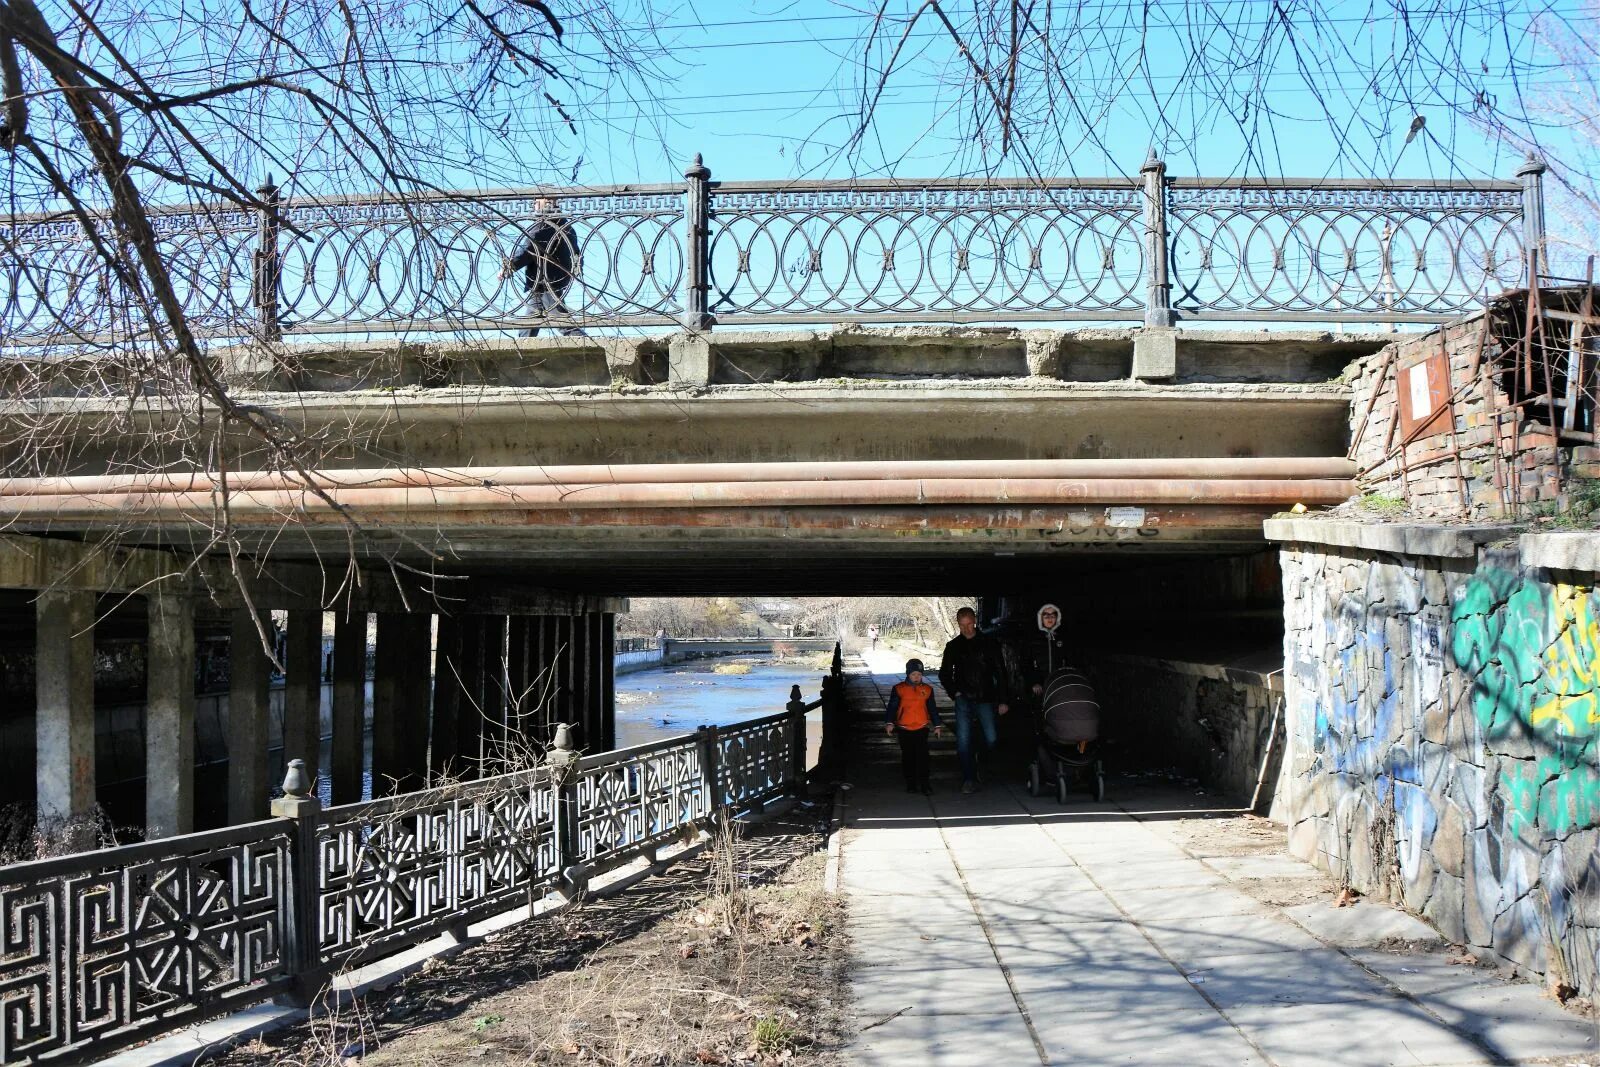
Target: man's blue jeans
pixel 967 710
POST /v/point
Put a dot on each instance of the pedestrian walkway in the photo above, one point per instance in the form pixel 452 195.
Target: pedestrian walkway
pixel 997 929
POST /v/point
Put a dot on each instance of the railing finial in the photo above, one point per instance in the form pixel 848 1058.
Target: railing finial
pixel 1533 164
pixel 698 169
pixel 296 782
pixel 1153 163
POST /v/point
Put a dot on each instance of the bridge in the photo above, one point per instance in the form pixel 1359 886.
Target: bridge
pixel 1026 392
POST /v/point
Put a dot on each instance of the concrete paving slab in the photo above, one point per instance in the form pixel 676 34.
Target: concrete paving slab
pixel 1155 905
pixel 1173 1039
pixel 1319 976
pixel 1396 1033
pixel 893 839
pixel 1024 885
pixel 1420 973
pixel 928 912
pixel 1136 985
pixel 945 1041
pixel 1147 848
pixel 899 883
pixel 882 945
pixel 1080 943
pixel 1363 924
pixel 1074 906
pixel 880 991
pixel 1112 875
pixel 1191 942
pixel 1514 1019
pixel 900 859
pixel 1280 866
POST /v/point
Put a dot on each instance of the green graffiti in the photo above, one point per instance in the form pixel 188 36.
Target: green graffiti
pixel 1533 653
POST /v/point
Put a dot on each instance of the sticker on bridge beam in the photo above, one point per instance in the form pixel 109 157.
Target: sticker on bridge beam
pixel 1125 518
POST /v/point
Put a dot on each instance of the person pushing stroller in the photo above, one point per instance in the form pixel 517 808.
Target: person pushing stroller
pixel 910 713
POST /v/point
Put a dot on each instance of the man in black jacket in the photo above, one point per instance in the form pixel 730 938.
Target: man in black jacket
pixel 973 673
pixel 547 257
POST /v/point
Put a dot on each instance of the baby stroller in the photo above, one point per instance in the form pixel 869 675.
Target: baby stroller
pixel 1068 748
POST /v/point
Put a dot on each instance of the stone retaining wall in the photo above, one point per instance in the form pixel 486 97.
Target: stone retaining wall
pixel 1444 717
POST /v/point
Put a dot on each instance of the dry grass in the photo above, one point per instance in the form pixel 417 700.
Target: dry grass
pixel 734 957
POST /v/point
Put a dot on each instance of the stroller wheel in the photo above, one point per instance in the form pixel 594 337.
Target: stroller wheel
pixel 1099 786
pixel 1034 783
pixel 1062 777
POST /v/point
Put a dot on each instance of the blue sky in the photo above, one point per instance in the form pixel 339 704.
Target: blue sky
pixel 765 88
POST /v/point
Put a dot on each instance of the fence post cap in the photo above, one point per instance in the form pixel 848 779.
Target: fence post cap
pixel 561 752
pixel 1153 163
pixel 1533 164
pixel 296 782
pixel 697 169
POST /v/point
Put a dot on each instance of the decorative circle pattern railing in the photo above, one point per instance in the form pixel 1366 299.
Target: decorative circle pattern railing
pixel 701 252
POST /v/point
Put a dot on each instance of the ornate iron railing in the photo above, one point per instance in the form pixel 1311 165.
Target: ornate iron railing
pixel 104 948
pixel 1156 249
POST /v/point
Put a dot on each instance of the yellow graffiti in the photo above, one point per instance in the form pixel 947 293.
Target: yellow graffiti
pixel 1571 665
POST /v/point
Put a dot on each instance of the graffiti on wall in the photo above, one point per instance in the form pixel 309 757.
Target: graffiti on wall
pixel 1532 652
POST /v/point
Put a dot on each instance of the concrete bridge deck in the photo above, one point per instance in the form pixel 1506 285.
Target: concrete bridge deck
pixel 998 929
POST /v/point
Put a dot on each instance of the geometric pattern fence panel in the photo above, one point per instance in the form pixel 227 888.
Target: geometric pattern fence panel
pixel 103 947
pixel 631 800
pixel 756 759
pixel 402 868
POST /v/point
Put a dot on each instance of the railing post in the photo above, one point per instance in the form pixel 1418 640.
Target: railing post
pixel 696 247
pixel 1533 235
pixel 710 769
pixel 562 760
pixel 301 938
pixel 797 770
pixel 1158 299
pixel 268 264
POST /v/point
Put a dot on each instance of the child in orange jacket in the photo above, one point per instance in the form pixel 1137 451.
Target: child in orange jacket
pixel 911 712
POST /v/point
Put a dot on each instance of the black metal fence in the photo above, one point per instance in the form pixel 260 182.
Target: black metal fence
pixel 105 948
pixel 699 252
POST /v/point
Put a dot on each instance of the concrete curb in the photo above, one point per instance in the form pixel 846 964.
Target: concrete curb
pixel 830 877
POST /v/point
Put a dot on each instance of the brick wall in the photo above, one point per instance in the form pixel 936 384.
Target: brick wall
pixel 1452 469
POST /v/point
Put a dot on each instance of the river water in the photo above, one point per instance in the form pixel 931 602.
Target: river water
pixel 668 701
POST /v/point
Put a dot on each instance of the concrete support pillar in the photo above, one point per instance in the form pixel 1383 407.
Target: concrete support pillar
pixel 543 641
pixel 302 694
pixel 494 693
pixel 248 673
pixel 400 698
pixel 608 683
pixel 444 738
pixel 64 695
pixel 349 755
pixel 521 701
pixel 470 678
pixel 578 680
pixel 561 685
pixel 169 718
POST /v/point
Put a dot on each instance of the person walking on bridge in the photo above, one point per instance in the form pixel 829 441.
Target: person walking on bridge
pixel 547 256
pixel 973 673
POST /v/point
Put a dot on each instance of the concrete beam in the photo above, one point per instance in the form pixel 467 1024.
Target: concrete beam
pixel 169 717
pixel 32 562
pixel 1405 539
pixel 64 702
pixel 248 673
pixel 1576 551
